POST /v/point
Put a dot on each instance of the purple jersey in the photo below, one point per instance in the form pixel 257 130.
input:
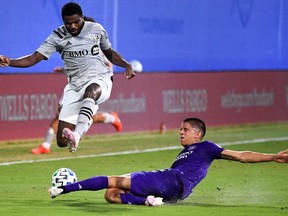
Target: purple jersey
pixel 188 169
pixel 192 164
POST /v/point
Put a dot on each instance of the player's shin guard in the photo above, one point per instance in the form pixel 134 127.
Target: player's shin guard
pixel 85 120
pixel 92 184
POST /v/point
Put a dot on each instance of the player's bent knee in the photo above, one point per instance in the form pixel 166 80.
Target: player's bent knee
pixel 108 196
pixel 93 91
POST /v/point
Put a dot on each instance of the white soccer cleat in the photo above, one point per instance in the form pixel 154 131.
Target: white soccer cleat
pixel 154 201
pixel 55 191
pixel 72 141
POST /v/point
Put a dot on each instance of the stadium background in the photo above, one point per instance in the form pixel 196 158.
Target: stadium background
pixel 224 61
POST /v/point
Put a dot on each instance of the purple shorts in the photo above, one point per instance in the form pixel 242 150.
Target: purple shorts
pixel 160 183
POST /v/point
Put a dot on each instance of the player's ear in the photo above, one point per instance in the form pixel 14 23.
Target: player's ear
pixel 198 134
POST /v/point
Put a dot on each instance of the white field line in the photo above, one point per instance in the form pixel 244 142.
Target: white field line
pixel 140 151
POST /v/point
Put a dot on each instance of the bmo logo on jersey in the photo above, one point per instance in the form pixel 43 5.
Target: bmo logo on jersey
pixel 80 53
pixel 75 53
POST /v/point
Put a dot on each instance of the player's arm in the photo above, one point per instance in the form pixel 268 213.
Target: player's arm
pixel 254 157
pixel 115 58
pixel 22 62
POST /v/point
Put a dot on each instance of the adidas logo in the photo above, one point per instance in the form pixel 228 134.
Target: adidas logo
pixel 68 43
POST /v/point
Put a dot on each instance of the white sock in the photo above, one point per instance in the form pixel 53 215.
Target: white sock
pixel 48 138
pixel 108 118
pixel 85 120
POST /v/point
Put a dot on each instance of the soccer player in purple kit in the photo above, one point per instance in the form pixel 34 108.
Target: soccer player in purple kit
pixel 154 188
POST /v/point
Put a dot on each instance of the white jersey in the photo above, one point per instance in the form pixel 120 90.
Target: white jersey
pixel 81 54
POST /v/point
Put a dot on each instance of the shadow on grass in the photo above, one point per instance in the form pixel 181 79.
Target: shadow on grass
pixel 99 207
pixel 213 205
pixel 81 207
pixel 108 207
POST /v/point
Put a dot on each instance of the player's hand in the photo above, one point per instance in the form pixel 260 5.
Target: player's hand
pixel 281 157
pixel 4 61
pixel 58 70
pixel 130 73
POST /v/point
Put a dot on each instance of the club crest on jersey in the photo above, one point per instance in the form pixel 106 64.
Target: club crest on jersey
pixel 192 147
pixel 96 38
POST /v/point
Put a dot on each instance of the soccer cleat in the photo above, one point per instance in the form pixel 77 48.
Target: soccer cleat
pixel 117 123
pixel 40 150
pixel 55 191
pixel 154 201
pixel 72 141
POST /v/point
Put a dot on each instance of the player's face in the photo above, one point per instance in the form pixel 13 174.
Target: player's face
pixel 73 24
pixel 188 134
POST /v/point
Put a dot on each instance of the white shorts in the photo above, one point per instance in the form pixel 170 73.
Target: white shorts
pixel 72 100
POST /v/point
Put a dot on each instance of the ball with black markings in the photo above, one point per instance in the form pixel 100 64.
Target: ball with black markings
pixel 63 176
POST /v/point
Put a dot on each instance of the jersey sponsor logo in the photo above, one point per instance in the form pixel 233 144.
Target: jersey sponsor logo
pixel 95 50
pixel 61 32
pixel 76 53
pixel 183 155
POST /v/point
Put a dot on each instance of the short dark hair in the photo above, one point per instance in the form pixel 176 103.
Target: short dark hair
pixel 197 123
pixel 71 8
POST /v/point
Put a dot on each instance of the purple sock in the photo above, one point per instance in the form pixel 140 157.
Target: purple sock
pixel 92 184
pixel 128 198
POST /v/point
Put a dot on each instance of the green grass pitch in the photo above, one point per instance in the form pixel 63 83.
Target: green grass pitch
pixel 230 188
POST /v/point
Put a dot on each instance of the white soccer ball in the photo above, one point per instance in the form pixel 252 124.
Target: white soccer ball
pixel 136 65
pixel 63 176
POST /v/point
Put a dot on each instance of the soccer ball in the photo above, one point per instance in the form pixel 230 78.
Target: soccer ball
pixel 136 65
pixel 63 176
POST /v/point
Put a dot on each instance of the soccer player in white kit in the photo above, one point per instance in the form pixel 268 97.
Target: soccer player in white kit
pixel 80 44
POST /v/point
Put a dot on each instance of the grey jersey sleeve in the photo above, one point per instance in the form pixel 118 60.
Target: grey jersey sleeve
pixel 48 47
pixel 104 42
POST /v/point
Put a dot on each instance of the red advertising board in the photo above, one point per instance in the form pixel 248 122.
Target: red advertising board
pixel 29 102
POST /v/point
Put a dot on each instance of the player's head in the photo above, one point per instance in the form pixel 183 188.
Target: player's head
pixel 196 124
pixel 71 8
pixel 72 17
